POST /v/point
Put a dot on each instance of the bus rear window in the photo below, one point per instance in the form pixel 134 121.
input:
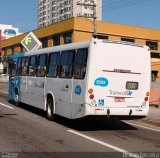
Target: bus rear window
pixel 132 85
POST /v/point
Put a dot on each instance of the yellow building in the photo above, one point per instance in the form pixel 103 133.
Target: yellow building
pixel 80 29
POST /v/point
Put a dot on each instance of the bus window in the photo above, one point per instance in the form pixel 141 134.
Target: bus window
pixel 41 67
pixel 80 63
pixel 13 73
pixel 32 65
pixel 66 64
pixel 53 65
pixel 19 66
pixel 24 66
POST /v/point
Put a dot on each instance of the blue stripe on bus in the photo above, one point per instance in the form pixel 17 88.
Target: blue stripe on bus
pixel 15 56
pixel 14 83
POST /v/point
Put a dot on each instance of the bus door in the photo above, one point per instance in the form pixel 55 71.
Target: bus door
pixel 36 80
pixel 12 75
pixel 23 72
pixel 65 74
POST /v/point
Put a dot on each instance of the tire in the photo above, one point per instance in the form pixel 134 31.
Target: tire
pixel 49 109
pixel 16 103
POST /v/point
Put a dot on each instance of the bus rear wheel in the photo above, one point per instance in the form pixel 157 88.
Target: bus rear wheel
pixel 49 109
pixel 16 103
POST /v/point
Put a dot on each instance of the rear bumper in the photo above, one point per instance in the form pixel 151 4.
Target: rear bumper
pixel 117 112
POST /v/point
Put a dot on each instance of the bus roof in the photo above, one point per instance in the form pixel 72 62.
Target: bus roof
pixel 18 55
pixel 64 47
pixel 78 45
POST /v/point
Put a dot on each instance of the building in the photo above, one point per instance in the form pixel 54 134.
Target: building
pixel 52 11
pixel 81 29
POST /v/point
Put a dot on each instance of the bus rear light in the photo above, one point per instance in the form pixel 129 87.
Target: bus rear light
pixel 146 99
pixel 147 94
pixel 90 91
pixel 91 96
pixel 93 102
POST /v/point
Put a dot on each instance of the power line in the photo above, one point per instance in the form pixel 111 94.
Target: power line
pixel 106 8
pixel 132 2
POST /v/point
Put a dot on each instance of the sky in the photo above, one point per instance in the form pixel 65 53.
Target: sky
pixel 22 14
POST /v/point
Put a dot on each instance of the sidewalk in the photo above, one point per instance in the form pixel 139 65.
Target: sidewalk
pixel 153 117
pixel 155 96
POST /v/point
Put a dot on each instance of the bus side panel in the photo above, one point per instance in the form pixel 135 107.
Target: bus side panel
pixel 62 90
pixel 24 92
pixel 78 98
pixel 35 91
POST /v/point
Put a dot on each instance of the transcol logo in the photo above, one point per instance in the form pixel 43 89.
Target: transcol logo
pixel 126 93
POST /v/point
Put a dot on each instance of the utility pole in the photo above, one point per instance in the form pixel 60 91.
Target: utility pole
pixel 94 17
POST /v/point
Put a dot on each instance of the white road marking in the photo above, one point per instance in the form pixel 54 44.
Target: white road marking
pixel 6 106
pixel 133 124
pixel 102 143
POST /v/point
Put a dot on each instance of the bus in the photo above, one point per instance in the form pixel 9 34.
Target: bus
pixel 91 78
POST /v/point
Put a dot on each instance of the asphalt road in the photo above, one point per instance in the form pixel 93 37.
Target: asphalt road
pixel 24 132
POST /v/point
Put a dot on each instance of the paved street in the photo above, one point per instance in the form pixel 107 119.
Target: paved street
pixel 93 61
pixel 24 129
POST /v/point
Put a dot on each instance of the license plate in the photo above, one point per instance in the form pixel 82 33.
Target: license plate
pixel 119 99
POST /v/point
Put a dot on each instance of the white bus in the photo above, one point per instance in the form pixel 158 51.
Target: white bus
pixel 92 78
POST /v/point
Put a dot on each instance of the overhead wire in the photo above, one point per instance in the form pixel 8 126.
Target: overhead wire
pixel 106 8
pixel 133 2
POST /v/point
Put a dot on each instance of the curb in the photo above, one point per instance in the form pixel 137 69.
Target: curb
pixel 155 105
pixel 150 122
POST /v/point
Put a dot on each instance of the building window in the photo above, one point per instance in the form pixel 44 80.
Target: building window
pixel 102 37
pixel 44 42
pixel 67 38
pixel 127 40
pixel 5 51
pixel 152 45
pixel 155 55
pixel 154 75
pixel 12 50
pixel 56 40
